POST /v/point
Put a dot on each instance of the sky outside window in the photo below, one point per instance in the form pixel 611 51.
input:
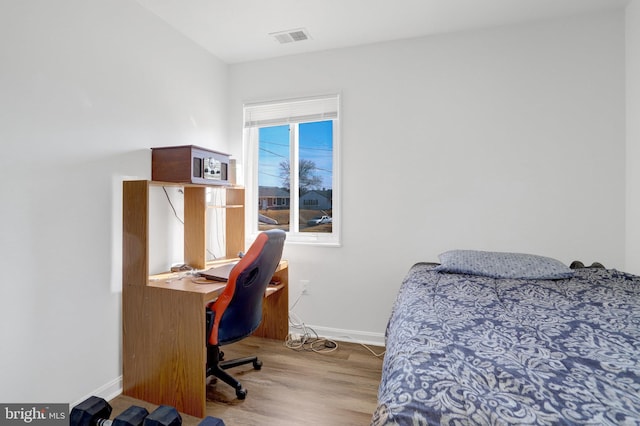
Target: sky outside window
pixel 274 148
pixel 315 144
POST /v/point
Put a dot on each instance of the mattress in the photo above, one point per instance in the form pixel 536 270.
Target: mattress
pixel 465 349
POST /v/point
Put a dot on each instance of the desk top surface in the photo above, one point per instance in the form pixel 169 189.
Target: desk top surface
pixel 187 281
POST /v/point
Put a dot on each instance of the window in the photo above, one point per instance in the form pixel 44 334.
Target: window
pixel 293 168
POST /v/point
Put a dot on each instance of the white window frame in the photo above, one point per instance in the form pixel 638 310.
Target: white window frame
pixel 288 111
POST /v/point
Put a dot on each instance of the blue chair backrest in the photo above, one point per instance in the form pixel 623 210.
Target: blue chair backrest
pixel 238 310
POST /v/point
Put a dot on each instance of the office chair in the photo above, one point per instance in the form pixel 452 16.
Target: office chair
pixel 238 310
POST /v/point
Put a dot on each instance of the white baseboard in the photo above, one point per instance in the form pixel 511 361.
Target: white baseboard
pixel 107 391
pixel 339 334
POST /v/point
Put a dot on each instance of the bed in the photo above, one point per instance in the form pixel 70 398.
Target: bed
pixel 467 346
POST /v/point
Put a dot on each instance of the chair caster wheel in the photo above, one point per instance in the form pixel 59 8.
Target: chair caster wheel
pixel 221 356
pixel 257 364
pixel 241 393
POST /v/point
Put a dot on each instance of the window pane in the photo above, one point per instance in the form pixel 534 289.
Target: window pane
pixel 273 178
pixel 315 174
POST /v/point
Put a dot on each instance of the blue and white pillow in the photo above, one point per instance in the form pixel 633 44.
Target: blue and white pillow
pixel 502 265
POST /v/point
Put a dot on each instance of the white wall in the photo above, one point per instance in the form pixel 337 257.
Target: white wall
pixel 508 139
pixel 633 137
pixel 86 88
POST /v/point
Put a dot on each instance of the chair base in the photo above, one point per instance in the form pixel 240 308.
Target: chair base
pixel 216 366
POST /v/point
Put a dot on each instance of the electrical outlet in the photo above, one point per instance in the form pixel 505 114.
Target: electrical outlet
pixel 305 286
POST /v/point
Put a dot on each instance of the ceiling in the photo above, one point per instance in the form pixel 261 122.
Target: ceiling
pixel 239 30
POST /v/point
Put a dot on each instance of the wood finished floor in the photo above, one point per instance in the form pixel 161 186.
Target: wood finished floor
pixel 293 388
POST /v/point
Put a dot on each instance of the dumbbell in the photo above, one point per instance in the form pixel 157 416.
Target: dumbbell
pixel 164 415
pixel 95 411
pixel 211 421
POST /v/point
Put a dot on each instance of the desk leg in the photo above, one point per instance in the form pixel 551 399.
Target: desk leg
pixel 275 311
pixel 164 351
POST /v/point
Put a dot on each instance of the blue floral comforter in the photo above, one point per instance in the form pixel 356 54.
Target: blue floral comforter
pixel 465 350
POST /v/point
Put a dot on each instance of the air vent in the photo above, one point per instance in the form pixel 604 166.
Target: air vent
pixel 290 36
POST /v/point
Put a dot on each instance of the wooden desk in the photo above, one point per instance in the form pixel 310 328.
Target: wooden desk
pixel 163 319
pixel 164 341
